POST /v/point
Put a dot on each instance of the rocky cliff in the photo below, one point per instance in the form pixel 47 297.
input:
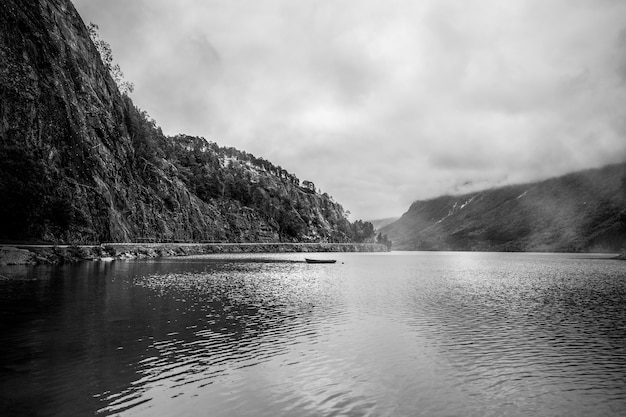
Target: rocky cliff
pixel 81 164
pixel 583 211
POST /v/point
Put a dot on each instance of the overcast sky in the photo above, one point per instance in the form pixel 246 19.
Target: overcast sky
pixel 381 103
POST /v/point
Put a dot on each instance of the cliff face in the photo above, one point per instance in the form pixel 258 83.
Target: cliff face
pixel 584 211
pixel 59 120
pixel 81 164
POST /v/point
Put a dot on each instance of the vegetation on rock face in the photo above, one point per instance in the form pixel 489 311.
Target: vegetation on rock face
pixel 584 211
pixel 106 54
pixel 221 176
pixel 81 164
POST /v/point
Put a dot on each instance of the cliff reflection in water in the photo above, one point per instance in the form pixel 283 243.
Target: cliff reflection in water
pixel 235 315
pixel 103 333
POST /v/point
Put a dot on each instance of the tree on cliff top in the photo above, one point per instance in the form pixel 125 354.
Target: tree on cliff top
pixel 104 49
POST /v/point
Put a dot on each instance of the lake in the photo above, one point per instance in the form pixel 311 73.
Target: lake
pixel 388 334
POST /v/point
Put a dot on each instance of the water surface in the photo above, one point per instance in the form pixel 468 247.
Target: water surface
pixel 402 333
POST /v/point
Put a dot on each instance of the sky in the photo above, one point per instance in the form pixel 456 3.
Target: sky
pixel 381 103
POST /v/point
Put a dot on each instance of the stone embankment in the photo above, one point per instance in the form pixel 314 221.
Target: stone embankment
pixel 49 254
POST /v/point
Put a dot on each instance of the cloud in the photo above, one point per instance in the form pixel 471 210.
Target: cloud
pixel 381 103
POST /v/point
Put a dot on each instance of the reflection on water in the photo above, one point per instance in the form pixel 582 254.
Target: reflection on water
pixel 375 334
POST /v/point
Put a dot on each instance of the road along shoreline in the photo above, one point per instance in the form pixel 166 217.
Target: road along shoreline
pixel 53 254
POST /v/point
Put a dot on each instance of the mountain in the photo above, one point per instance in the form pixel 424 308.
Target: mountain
pixel 582 211
pixel 80 163
pixel 380 223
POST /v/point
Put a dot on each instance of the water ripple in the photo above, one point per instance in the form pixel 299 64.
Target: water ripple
pixel 374 335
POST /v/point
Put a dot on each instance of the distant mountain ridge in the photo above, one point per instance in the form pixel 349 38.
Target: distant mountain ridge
pixel 578 212
pixel 79 163
pixel 380 223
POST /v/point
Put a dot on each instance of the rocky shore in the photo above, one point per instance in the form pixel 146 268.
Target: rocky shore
pixel 48 254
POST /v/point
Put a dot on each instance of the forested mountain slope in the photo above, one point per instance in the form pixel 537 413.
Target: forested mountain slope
pixel 81 164
pixel 583 211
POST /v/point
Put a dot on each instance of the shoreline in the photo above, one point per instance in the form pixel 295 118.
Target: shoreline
pixel 55 254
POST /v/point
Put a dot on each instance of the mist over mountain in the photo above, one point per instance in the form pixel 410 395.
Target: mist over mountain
pixel 82 164
pixel 582 211
pixel 380 223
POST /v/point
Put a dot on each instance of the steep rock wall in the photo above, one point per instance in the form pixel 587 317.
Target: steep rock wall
pixel 70 170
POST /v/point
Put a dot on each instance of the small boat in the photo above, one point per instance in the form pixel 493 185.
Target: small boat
pixel 320 261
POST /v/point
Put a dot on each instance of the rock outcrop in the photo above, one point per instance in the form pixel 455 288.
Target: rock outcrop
pixel 15 256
